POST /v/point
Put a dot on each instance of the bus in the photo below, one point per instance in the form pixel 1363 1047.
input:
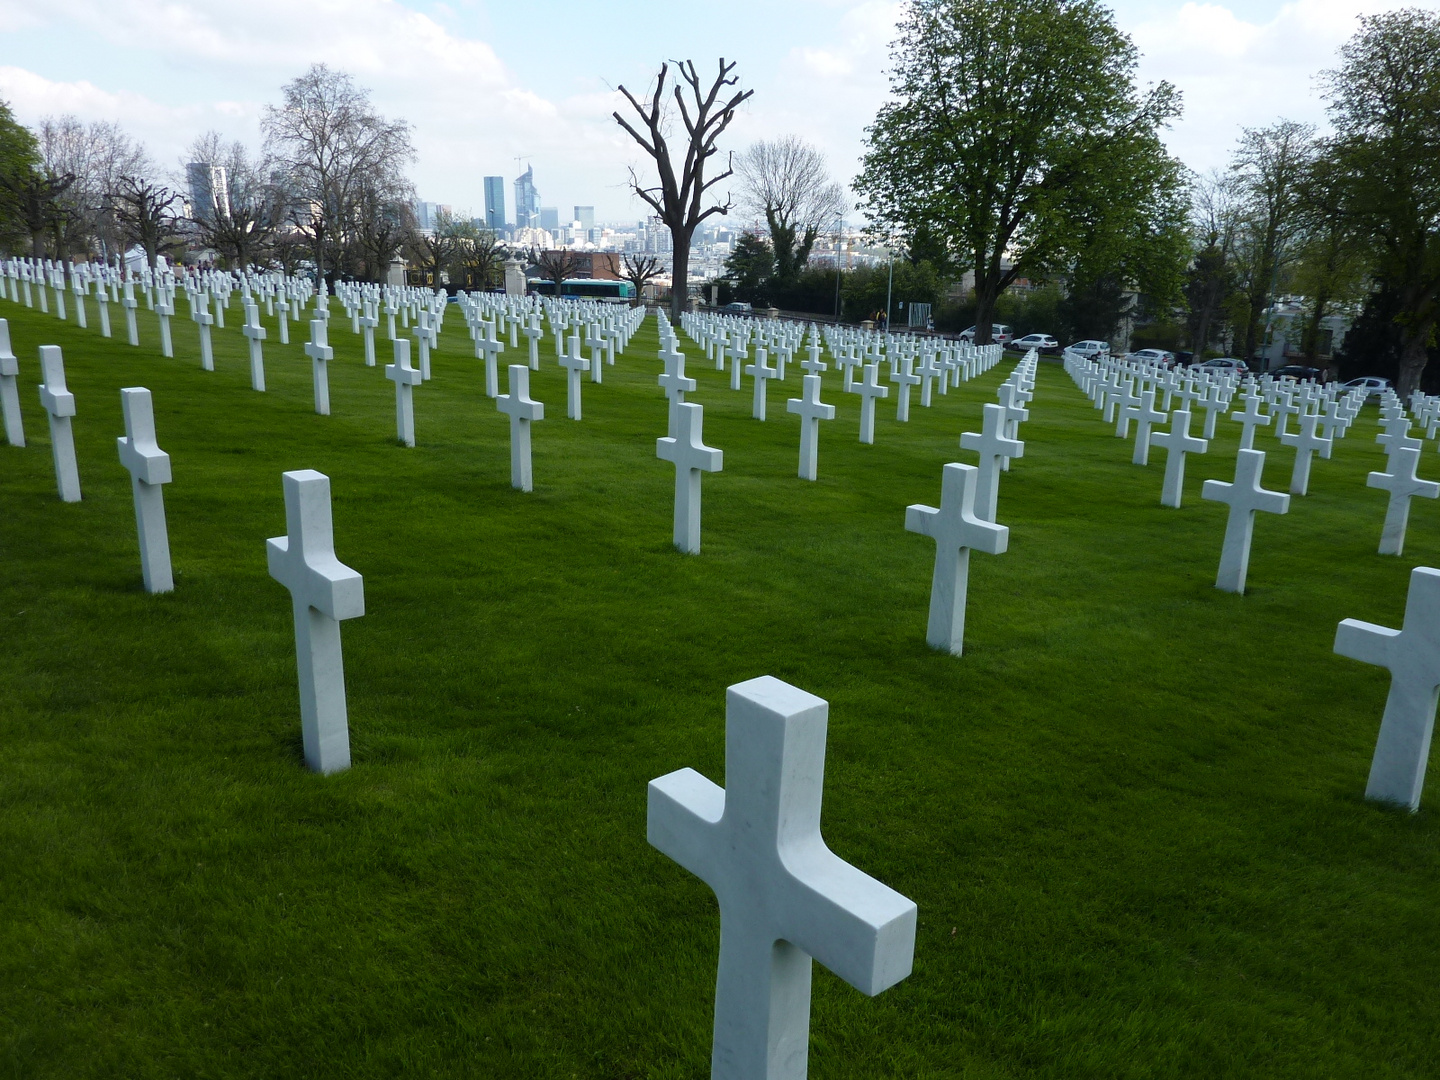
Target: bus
pixel 590 288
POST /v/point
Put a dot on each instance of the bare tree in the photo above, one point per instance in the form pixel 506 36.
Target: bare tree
pixel 245 220
pixel 435 249
pixel 331 144
pixel 145 212
pixel 36 195
pixel 786 183
pixel 480 255
pixel 679 200
pixel 639 270
pixel 382 223
pixel 557 266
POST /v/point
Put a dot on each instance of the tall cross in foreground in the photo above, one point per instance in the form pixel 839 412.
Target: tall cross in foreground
pixel 691 457
pixel 323 591
pixel 784 896
pixel 674 380
pixel 149 469
pixel 955 530
pixel 993 446
pixel 811 411
pixel 522 410
pixel 1403 484
pixel 59 403
pixel 1177 442
pixel 10 389
pixel 405 378
pixel 320 353
pixel 1412 653
pixel 1245 497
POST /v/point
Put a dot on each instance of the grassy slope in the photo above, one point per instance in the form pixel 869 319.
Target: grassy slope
pixel 1130 815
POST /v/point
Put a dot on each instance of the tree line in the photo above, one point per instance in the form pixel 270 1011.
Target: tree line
pixel 1018 149
pixel 327 189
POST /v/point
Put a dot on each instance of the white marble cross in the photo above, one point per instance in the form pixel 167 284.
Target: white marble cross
pixel 423 340
pixel 1214 405
pixel 1177 442
pixel 323 591
pixel 1251 418
pixel 902 371
pixel 1015 414
pixel 869 389
pixel 1403 484
pixel 993 446
pixel 811 411
pixel 812 364
pixel 256 334
pixel 59 402
pixel 1306 442
pixel 405 379
pixel 522 410
pixel 129 303
pixel 759 371
pixel 674 381
pixel 1245 496
pixel 737 352
pixel 1397 435
pixel 784 896
pixel 149 468
pixel 1412 653
pixel 490 347
pixel 368 322
pixel 955 529
pixel 200 313
pixel 533 334
pixel 1129 406
pixel 1146 416
pixel 164 308
pixel 691 457
pixel 320 354
pixel 10 389
pixel 573 363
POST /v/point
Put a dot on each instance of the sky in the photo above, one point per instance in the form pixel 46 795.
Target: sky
pixel 492 87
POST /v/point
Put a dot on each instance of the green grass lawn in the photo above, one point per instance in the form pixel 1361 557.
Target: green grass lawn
pixel 1131 814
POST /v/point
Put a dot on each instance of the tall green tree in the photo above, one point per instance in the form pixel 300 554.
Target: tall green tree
pixel 19 161
pixel 1384 104
pixel 750 266
pixel 1017 133
pixel 1269 168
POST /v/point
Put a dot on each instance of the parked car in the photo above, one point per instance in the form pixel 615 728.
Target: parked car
pixel 737 307
pixel 1040 342
pixel 1300 371
pixel 1373 385
pixel 1224 365
pixel 1152 356
pixel 999 334
pixel 1090 349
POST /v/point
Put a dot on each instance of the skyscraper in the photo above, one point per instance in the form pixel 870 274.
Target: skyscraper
pixel 527 200
pixel 209 190
pixel 495 203
pixel 586 216
pixel 550 217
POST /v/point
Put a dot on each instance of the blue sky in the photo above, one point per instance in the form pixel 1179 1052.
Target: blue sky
pixel 484 83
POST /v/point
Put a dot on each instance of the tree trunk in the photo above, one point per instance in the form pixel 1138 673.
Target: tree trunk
pixel 985 295
pixel 679 273
pixel 1413 355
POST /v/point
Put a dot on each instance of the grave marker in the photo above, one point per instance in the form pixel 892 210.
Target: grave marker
pixel 1403 484
pixel 784 896
pixel 149 469
pixel 59 402
pixel 323 591
pixel 691 457
pixel 955 530
pixel 811 411
pixel 522 410
pixel 1245 496
pixel 10 389
pixel 405 378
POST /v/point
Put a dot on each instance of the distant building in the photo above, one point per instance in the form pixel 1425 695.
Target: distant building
pixel 495 203
pixel 550 217
pixel 586 216
pixel 209 190
pixel 427 214
pixel 527 200
pixel 595 265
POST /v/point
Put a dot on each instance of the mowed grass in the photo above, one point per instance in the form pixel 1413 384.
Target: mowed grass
pixel 1131 814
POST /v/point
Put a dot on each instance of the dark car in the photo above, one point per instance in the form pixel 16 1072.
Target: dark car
pixel 1299 371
